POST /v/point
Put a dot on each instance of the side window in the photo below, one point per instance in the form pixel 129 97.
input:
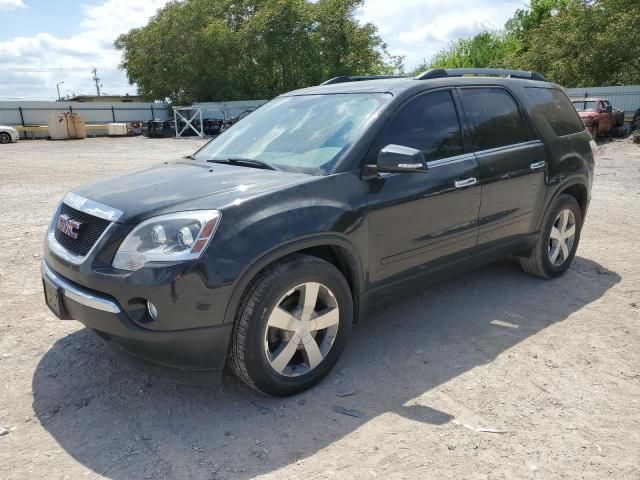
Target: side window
pixel 494 118
pixel 428 123
pixel 556 109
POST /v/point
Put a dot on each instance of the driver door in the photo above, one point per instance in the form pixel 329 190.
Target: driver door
pixel 420 220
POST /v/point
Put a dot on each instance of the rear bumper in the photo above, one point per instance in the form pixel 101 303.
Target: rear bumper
pixel 195 355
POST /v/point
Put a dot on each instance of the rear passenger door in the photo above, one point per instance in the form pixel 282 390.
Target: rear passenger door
pixel 512 163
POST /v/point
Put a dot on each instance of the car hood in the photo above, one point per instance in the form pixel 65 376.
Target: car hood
pixel 184 185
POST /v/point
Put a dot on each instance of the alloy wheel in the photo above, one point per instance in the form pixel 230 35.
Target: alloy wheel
pixel 301 329
pixel 562 237
pixel 5 138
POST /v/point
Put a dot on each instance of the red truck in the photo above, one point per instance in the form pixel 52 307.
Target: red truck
pixel 598 115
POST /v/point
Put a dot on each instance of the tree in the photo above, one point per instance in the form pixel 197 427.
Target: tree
pixel 198 50
pixel 587 43
pixel 571 42
pixel 484 50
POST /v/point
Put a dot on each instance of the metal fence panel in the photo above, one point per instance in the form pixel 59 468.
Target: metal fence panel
pixel 37 113
pixel 625 98
pixel 226 110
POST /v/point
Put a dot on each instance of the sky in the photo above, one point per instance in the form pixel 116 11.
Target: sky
pixel 43 42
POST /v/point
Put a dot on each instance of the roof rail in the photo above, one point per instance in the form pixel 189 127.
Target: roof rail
pixel 459 72
pixel 361 78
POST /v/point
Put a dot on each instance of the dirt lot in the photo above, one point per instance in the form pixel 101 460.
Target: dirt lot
pixel 550 368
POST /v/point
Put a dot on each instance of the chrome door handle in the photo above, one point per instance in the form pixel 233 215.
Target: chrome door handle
pixel 538 165
pixel 467 182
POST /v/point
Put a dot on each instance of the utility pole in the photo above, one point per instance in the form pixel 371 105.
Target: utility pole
pixel 96 80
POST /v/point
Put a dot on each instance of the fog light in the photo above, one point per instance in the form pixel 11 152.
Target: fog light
pixel 153 311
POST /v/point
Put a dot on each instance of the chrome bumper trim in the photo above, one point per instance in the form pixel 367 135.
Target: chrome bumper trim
pixel 77 294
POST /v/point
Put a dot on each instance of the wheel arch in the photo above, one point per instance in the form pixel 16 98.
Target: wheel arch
pixel 578 191
pixel 6 132
pixel 334 249
pixel 575 187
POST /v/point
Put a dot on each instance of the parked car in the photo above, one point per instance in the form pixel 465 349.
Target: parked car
pixel 599 116
pixel 235 119
pixel 261 250
pixel 159 129
pixel 8 134
pixel 213 126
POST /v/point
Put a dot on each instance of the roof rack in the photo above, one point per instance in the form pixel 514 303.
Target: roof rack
pixel 459 72
pixel 345 79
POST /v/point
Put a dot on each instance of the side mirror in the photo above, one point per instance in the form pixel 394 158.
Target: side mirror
pixel 608 109
pixel 400 159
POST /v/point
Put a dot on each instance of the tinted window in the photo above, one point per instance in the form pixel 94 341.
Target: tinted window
pixel 428 123
pixel 558 110
pixel 494 118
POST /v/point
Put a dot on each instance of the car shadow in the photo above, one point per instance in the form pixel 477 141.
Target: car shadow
pixel 125 424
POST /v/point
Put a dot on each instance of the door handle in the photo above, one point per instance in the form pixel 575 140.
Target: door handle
pixel 467 182
pixel 538 165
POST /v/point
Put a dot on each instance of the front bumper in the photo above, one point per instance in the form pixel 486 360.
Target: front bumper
pixel 193 355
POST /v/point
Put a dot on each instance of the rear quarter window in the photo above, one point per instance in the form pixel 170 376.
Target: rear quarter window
pixel 557 110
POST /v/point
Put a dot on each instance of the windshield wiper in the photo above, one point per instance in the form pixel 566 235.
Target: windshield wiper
pixel 189 157
pixel 249 162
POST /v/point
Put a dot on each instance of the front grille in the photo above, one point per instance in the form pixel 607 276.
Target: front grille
pixel 88 234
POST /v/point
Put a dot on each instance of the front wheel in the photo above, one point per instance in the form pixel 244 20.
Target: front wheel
pixel 5 137
pixel 291 326
pixel 558 241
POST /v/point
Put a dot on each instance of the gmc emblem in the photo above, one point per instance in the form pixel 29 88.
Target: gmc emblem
pixel 68 226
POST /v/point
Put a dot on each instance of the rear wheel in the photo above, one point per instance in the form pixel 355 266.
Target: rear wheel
pixel 5 137
pixel 558 241
pixel 292 325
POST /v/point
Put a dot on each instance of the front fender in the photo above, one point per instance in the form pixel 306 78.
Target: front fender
pixel 326 211
pixel 283 250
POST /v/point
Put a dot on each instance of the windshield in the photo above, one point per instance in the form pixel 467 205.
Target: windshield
pixel 583 106
pixel 300 133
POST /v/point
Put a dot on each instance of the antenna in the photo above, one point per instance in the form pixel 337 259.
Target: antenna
pixel 96 80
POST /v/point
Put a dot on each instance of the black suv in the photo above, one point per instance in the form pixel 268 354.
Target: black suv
pixel 261 249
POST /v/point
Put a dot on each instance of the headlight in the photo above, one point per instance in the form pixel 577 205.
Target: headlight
pixel 167 238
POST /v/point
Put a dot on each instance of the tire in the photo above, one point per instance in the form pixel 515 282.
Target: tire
pixel 5 137
pixel 256 344
pixel 541 261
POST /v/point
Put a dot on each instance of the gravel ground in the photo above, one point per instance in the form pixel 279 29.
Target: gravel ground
pixel 486 376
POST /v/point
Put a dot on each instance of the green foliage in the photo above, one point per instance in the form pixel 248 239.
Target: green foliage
pixel 199 50
pixel 485 50
pixel 572 42
pixel 588 44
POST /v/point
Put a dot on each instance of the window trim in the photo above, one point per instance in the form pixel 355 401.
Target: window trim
pixel 531 134
pixel 512 146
